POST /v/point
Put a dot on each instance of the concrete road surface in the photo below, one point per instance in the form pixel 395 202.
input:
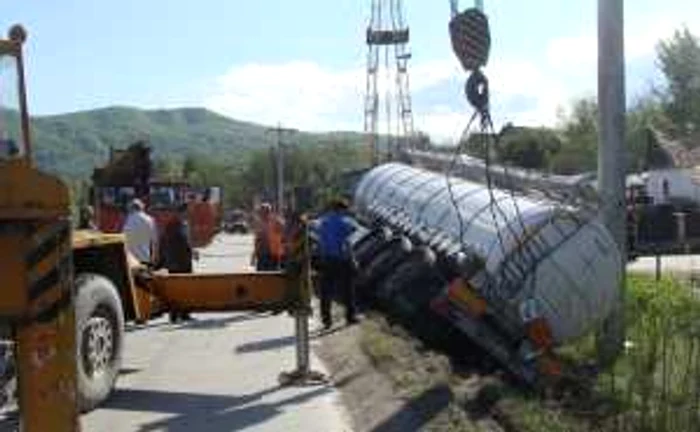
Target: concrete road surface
pixel 218 373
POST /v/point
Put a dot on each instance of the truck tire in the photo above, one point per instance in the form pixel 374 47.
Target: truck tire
pixel 8 374
pixel 369 246
pixel 391 254
pixel 370 241
pixel 100 338
pixel 414 280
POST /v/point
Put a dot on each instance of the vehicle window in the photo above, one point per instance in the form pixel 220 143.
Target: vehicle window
pixel 109 196
pixel 124 196
pixel 11 140
pixel 163 197
pixel 117 196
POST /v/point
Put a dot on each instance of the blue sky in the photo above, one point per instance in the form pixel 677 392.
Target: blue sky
pixel 302 62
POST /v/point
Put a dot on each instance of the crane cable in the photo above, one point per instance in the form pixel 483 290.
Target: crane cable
pixel 454 7
pixel 470 38
pixel 471 42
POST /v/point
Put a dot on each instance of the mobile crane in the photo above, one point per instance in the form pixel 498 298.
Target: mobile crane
pixel 66 294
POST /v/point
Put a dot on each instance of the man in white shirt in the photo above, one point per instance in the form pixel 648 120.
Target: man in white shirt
pixel 141 233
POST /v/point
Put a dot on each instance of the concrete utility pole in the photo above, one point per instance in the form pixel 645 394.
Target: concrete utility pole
pixel 611 156
pixel 279 160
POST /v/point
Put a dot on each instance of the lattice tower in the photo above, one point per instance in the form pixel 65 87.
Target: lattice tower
pixel 387 58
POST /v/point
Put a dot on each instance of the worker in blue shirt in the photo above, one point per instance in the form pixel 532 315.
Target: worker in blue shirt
pixel 336 263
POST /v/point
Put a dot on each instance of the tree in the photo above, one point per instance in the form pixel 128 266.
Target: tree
pixel 167 168
pixel 421 141
pixel 529 148
pixel 189 166
pixel 679 59
pixel 579 149
pixel 645 113
pixel 316 166
pixel 476 144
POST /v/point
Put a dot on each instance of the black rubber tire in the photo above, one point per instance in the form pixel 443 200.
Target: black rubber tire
pixel 97 296
pixel 369 245
pixel 410 275
pixel 391 255
pixel 378 234
pixel 8 374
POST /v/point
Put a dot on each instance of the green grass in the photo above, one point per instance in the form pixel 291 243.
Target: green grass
pixel 413 372
pixel 655 384
pixel 524 413
pixel 394 352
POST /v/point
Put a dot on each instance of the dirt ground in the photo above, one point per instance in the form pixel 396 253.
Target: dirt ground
pixel 390 382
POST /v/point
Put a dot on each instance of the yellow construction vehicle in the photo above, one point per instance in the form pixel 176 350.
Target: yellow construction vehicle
pixel 66 294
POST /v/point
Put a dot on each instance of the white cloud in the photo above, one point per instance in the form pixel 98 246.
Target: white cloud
pixel 427 74
pixel 569 70
pixel 444 123
pixel 571 53
pixel 307 95
pixel 310 96
pixel 299 94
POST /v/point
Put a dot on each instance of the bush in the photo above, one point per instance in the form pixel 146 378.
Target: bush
pixel 655 384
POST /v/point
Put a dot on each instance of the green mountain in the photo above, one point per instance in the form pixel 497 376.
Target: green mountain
pixel 73 144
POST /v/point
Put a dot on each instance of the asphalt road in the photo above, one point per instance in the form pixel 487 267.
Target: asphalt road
pixel 218 373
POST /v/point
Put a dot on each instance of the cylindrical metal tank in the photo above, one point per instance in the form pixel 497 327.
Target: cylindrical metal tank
pixel 537 257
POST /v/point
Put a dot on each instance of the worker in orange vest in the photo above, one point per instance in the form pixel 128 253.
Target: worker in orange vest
pixel 269 240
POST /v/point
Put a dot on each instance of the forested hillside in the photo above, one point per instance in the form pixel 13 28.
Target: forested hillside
pixel 72 144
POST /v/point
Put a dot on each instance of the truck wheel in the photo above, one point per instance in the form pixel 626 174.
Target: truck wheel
pixel 100 338
pixel 8 374
pixel 392 254
pixel 411 280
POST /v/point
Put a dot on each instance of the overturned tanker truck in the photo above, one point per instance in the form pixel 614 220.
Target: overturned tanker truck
pixel 518 276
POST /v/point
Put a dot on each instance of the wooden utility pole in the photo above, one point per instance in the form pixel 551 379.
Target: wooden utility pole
pixel 279 162
pixel 611 157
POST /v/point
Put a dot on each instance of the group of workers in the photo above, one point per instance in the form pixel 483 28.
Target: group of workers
pixel 173 249
pixel 335 264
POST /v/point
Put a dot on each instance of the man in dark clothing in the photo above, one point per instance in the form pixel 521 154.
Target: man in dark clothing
pixel 176 252
pixel 336 261
pixel 87 219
